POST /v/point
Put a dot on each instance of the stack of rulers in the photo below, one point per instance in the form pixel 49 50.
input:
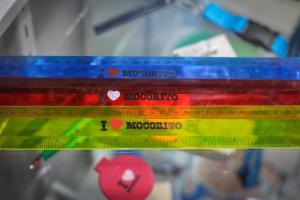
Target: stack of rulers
pixel 149 103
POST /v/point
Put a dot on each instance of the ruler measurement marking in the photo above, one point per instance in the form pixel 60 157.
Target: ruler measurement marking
pixel 234 112
pixel 237 69
pixel 145 143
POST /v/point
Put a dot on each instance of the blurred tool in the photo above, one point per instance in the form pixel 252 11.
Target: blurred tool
pixel 246 28
pixel 140 11
pixel 43 156
pixel 251 167
pixel 295 42
pixel 47 154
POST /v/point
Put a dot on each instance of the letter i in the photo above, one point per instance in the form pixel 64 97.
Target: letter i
pixel 103 126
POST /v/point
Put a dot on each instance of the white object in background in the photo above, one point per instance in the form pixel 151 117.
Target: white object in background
pixel 19 38
pixel 9 9
pixel 217 46
pixel 25 32
pixel 214 154
pixel 161 190
pixel 283 160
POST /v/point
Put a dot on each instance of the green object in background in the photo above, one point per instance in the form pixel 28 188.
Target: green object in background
pixel 243 49
pixel 47 154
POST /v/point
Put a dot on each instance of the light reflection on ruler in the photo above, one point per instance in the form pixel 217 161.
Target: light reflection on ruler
pixel 144 128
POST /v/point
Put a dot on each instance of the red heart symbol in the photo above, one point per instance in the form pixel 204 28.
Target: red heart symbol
pixel 115 124
pixel 113 71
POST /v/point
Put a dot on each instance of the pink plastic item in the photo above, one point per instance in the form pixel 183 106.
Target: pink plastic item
pixel 125 177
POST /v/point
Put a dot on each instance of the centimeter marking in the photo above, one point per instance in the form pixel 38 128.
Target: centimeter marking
pixel 137 61
pixel 153 112
pixel 151 67
pixel 144 142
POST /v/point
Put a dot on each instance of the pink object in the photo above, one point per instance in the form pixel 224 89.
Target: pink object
pixel 125 177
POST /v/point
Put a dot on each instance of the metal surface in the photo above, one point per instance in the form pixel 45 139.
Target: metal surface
pixel 9 9
pixel 52 181
pixel 136 13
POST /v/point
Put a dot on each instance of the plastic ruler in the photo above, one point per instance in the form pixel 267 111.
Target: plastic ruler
pixel 148 103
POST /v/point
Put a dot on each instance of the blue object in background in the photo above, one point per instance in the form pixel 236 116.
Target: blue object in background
pixel 198 193
pixel 294 49
pixel 130 152
pixel 247 29
pixel 280 46
pixel 224 19
pixel 250 169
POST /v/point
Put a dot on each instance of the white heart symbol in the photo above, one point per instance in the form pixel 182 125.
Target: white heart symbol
pixel 128 175
pixel 113 95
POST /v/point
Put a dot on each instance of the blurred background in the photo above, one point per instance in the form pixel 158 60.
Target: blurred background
pixel 147 28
